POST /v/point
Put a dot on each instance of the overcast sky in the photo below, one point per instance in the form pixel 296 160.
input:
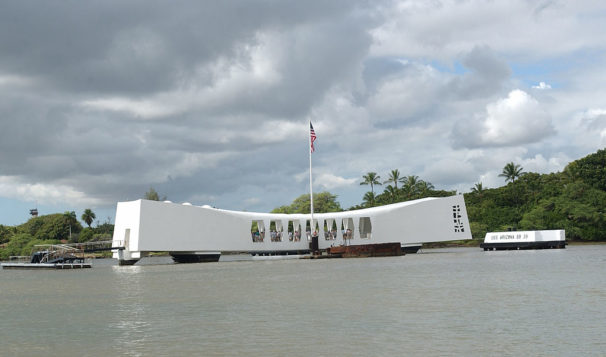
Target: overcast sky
pixel 208 102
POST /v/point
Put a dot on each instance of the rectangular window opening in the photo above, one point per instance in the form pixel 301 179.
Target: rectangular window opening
pixel 365 228
pixel 257 231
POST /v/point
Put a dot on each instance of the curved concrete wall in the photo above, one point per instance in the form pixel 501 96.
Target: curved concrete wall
pixel 143 226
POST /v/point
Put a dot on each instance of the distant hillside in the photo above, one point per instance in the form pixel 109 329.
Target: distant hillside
pixel 48 229
pixel 574 200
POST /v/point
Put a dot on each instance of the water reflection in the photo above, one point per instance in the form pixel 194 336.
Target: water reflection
pixel 131 322
pixel 455 301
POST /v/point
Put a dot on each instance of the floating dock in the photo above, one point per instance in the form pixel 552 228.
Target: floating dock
pixel 39 266
pixel 521 240
pixel 51 256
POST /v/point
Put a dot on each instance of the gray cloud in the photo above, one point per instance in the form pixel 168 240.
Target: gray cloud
pixel 210 101
pixel 486 77
pixel 141 47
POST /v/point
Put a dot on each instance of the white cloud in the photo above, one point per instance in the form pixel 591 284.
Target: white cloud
pixel 12 81
pixel 542 86
pixel 490 179
pixel 145 109
pixel 43 192
pixel 330 181
pixel 515 120
pixel 540 164
pixel 593 117
pixel 592 126
pixel 443 29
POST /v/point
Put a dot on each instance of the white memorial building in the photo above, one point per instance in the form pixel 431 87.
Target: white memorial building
pixel 201 233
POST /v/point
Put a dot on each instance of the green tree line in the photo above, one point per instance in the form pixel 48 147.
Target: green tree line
pixel 573 200
pixel 411 188
pixel 56 228
pixel 51 229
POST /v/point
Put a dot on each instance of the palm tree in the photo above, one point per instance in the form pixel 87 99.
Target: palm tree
pixel 410 185
pixel 371 179
pixel 88 216
pixel 394 176
pixel 478 188
pixel 369 199
pixel 412 180
pixel 70 215
pixel 392 192
pixel 423 187
pixel 71 222
pixel 511 172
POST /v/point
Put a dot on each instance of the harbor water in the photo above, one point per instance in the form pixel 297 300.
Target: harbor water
pixel 441 302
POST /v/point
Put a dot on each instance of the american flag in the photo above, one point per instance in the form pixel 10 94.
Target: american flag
pixel 312 135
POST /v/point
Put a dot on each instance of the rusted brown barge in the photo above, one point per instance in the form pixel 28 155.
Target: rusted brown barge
pixel 365 250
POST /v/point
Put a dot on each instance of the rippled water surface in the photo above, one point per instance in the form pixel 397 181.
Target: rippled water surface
pixel 460 301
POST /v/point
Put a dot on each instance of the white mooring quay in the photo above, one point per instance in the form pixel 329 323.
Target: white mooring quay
pixel 200 233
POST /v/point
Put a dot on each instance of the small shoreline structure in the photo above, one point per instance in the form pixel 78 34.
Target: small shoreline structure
pixel 60 256
pixel 521 240
pixel 50 256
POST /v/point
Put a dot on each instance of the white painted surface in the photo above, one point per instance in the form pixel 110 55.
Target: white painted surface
pixel 525 236
pixel 165 226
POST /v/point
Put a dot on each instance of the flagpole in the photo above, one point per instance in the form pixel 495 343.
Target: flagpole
pixel 311 194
